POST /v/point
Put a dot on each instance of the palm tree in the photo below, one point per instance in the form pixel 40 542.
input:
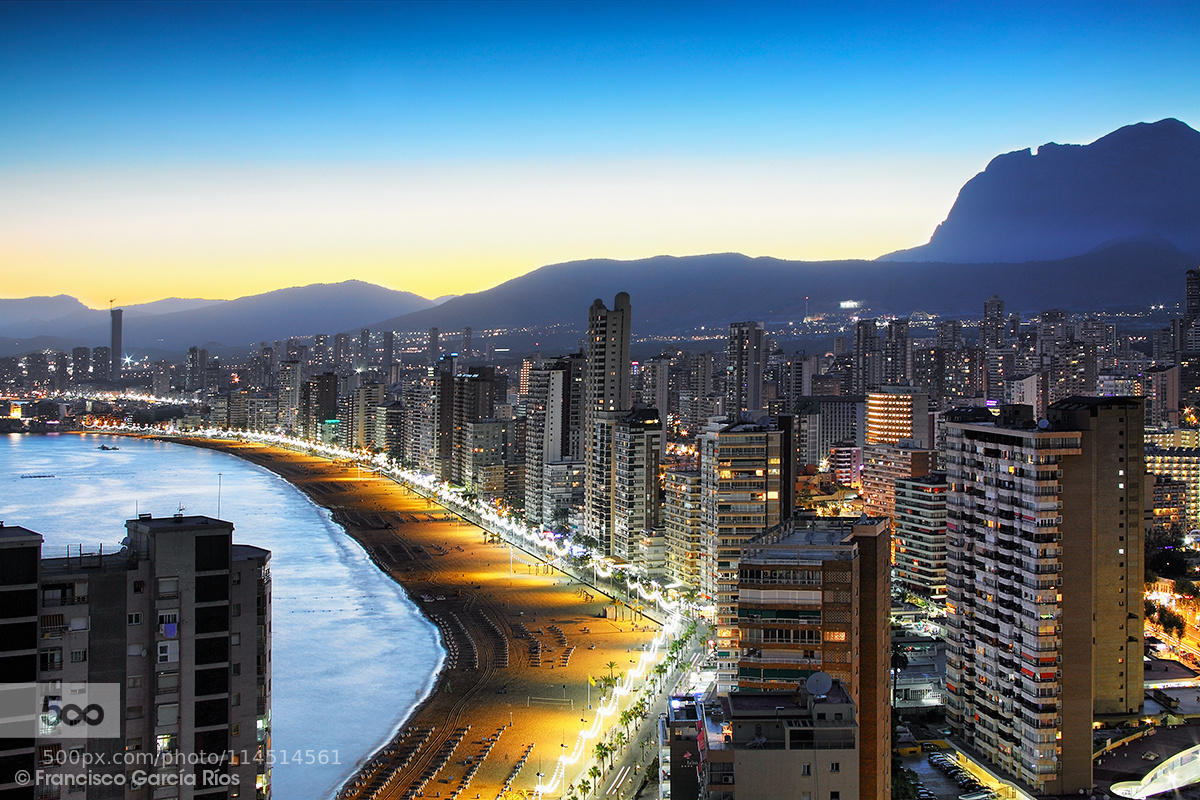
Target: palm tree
pixel 584 787
pixel 594 771
pixel 611 666
pixel 601 751
pixel 620 739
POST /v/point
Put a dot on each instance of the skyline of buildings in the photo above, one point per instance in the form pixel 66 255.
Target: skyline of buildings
pixel 676 466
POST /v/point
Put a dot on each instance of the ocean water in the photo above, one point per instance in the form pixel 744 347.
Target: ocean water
pixel 351 654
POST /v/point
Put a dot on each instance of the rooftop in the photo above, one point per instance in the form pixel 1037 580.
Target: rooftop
pixel 17 532
pixel 178 522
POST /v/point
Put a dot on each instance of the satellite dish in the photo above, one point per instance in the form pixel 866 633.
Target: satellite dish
pixel 818 684
pixel 1043 424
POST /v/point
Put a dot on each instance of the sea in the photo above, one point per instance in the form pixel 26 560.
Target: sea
pixel 351 654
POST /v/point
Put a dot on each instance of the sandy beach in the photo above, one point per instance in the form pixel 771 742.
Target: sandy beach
pixel 521 640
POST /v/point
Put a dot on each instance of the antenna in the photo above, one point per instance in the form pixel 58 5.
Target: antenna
pixel 110 303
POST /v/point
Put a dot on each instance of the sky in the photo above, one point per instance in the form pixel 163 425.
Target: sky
pixel 223 149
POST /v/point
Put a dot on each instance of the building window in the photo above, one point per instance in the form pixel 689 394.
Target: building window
pixel 235 639
pixel 835 766
pixel 236 610
pixel 806 769
pixel 168 587
pixel 78 656
pixel 134 618
pixel 50 660
pixel 134 682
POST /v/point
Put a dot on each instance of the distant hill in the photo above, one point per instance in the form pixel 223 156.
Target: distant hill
pixel 176 323
pixel 1138 183
pixel 675 293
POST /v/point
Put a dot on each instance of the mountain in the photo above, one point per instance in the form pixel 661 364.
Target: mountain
pixel 175 323
pixel 26 310
pixel 672 294
pixel 169 305
pixel 1138 183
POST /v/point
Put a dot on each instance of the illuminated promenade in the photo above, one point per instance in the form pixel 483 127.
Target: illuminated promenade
pixel 522 640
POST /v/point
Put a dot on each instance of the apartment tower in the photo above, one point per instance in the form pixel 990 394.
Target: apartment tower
pixel 1044 584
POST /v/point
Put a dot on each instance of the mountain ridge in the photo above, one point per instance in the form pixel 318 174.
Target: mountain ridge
pixel 1141 181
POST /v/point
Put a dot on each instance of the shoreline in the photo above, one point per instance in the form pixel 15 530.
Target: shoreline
pixel 490 659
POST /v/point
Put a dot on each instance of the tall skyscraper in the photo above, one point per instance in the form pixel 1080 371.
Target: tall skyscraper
pixel 1044 584
pixel 606 389
pixel 466 343
pixel 116 348
pixel 745 362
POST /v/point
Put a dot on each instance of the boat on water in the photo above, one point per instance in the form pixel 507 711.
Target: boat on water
pixel 36 475
pixel 106 447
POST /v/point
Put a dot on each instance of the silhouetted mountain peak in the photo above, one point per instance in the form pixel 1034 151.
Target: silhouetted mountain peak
pixel 1141 181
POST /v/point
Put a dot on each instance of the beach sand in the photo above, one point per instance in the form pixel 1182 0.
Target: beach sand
pixel 478 605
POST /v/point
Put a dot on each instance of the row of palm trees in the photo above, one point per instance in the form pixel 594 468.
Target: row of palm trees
pixel 618 737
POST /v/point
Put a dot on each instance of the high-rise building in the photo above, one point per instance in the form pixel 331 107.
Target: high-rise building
pixel 684 523
pixel 1181 464
pixel 745 362
pixel 318 403
pixel 898 414
pixel 116 348
pixel 466 343
pixel 991 329
pixel 343 358
pixel 1192 297
pixel 101 363
pixel 741 479
pixel 823 422
pixel 476 395
pixel 867 369
pixel 1044 584
pixel 389 350
pixel 606 390
pixel 553 400
pixel 882 466
pixel 815 597
pixel 356 415
pixel 637 438
pixel 432 349
pixel 81 365
pixel 178 623
pixel 291 378
pixel 919 539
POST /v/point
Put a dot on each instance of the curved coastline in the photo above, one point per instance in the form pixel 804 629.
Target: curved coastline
pixel 524 643
pixel 435 677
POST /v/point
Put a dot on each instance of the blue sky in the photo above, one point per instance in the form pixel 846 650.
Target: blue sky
pixel 95 95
